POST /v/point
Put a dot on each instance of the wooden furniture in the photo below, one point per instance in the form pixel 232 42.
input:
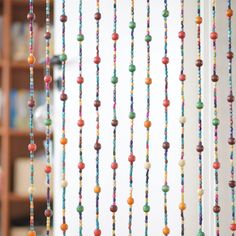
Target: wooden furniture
pixel 13 143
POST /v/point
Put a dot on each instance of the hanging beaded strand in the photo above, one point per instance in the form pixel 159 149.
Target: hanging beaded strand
pixel 215 121
pixel 31 104
pixel 63 141
pixel 80 80
pixel 114 123
pixel 147 123
pixel 166 103
pixel 131 159
pixel 48 121
pixel 231 140
pixel 182 78
pixel 199 106
pixel 97 104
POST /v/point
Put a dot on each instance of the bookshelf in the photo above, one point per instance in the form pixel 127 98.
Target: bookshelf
pixel 13 141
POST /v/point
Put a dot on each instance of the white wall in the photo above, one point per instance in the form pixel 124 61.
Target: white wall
pixel 157 117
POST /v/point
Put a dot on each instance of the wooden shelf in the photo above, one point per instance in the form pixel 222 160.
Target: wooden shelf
pixel 25 133
pixel 13 197
pixel 23 65
pixel 20 3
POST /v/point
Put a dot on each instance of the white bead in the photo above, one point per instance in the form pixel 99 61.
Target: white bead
pixel 64 183
pixel 182 163
pixel 182 119
pixel 147 165
pixel 200 192
pixel 31 190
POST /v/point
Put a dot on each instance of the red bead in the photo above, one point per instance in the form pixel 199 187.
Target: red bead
pixel 230 98
pixel 232 183
pixel 80 80
pixel 182 77
pixel 114 165
pixel 80 123
pixel 81 165
pixel 32 147
pixel 165 60
pixel 166 145
pixel 97 103
pixel 230 55
pixel 47 35
pixel 181 34
pixel 63 18
pixel 200 147
pixel 113 208
pixel 115 36
pixel 47 79
pixel 97 232
pixel 233 227
pixel 97 16
pixel 199 63
pixel 97 60
pixel 63 97
pixel 114 123
pixel 131 158
pixel 48 169
pixel 214 35
pixel 31 103
pixel 216 165
pixel 166 103
pixel 214 78
pixel 216 209
pixel 97 146
pixel 48 213
pixel 231 141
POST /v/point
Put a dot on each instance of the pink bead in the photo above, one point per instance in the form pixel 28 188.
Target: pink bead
pixel 182 77
pixel 32 147
pixel 131 158
pixel 97 60
pixel 114 165
pixel 115 36
pixel 165 60
pixel 166 103
pixel 81 165
pixel 47 79
pixel 80 80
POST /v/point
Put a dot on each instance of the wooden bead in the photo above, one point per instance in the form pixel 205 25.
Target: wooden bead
pixel 229 13
pixel 147 165
pixel 63 18
pixel 231 141
pixel 182 163
pixel 198 20
pixel 97 16
pixel 130 201
pixel 199 63
pixel 97 189
pixel 31 59
pixel 214 78
pixel 113 208
pixel 64 227
pixel 114 123
pixel 200 147
pixel 166 145
pixel 97 103
pixel 97 232
pixel 48 213
pixel 64 183
pixel 63 97
pixel 200 192
pixel 232 183
pixel 230 98
pixel 147 124
pixel 216 209
pixel 31 233
pixel 230 55
pixel 97 146
pixel 166 231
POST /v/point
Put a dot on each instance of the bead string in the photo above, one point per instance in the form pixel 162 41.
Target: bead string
pixel 80 80
pixel 63 141
pixel 182 78
pixel 114 123
pixel 147 123
pixel 131 159
pixel 166 103
pixel 97 104
pixel 199 106
pixel 215 121
pixel 231 140
pixel 48 121
pixel 31 104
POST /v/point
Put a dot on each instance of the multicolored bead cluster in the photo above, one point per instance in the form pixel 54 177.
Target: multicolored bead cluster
pixel 131 158
pixel 147 123
pixel 97 104
pixel 80 80
pixel 48 121
pixel 114 122
pixel 215 121
pixel 32 147
pixel 182 120
pixel 63 141
pixel 230 99
pixel 199 106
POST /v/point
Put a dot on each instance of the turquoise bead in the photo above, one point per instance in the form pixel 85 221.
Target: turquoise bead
pixel 165 188
pixel 200 233
pixel 114 79
pixel 146 208
pixel 165 13
pixel 148 38
pixel 80 37
pixel 63 57
pixel 215 121
pixel 48 122
pixel 132 115
pixel 199 105
pixel 132 68
pixel 80 209
pixel 132 25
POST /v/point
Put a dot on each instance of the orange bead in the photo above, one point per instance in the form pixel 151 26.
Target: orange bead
pixel 31 59
pixel 63 141
pixel 64 227
pixel 97 189
pixel 148 81
pixel 130 201
pixel 229 12
pixel 31 233
pixel 182 206
pixel 198 20
pixel 147 124
pixel 166 231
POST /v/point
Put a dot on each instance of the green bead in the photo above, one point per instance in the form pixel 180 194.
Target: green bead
pixel 132 25
pixel 132 115
pixel 63 57
pixel 132 68
pixel 165 188
pixel 80 209
pixel 80 37
pixel 200 233
pixel 148 38
pixel 48 122
pixel 215 121
pixel 146 208
pixel 114 79
pixel 199 105
pixel 165 13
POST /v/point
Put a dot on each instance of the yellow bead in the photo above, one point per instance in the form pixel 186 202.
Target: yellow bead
pixel 200 192
pixel 97 189
pixel 31 59
pixel 182 206
pixel 166 231
pixel 198 20
pixel 31 190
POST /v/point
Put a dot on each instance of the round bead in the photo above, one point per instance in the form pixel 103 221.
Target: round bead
pixel 48 169
pixel 200 105
pixel 165 13
pixel 132 68
pixel 81 165
pixel 130 201
pixel 166 103
pixel 97 189
pixel 31 190
pixel 48 213
pixel 182 163
pixel 213 35
pixel 97 16
pixel 146 208
pixel 64 227
pixel 48 122
pixel 200 147
pixel 63 18
pixel 63 57
pixel 166 231
pixel 31 233
pixel 230 98
pixel 97 60
pixel 165 188
pixel 199 62
pixel 80 209
pixel 231 141
pixel 182 119
pixel 166 145
pixel 97 146
pixel 30 16
pixel 64 183
pixel 80 37
pixel 47 79
pixel 214 78
pixel 148 81
pixel 132 115
pixel 132 25
pixel 97 103
pixel 232 183
pixel 229 12
pixel 233 227
pixel 114 123
pixel 47 35
pixel 148 38
pixel 131 158
pixel 31 59
pixel 181 34
pixel 215 121
pixel 115 36
pixel 147 165
pixel 80 123
pixel 230 55
pixel 80 80
pixel 198 20
pixel 216 209
pixel 63 97
pixel 31 103
pixel 113 208
pixel 182 77
pixel 97 232
pixel 63 141
pixel 147 124
pixel 32 147
pixel 216 165
pixel 114 165
pixel 165 60
pixel 114 79
pixel 200 192
pixel 200 233
pixel 182 206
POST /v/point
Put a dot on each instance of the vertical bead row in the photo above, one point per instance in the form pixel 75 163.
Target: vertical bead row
pixel 132 115
pixel 147 123
pixel 231 140
pixel 166 103
pixel 32 147
pixel 63 141
pixel 97 104
pixel 48 121
pixel 215 121
pixel 199 106
pixel 114 122
pixel 182 78
pixel 80 80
